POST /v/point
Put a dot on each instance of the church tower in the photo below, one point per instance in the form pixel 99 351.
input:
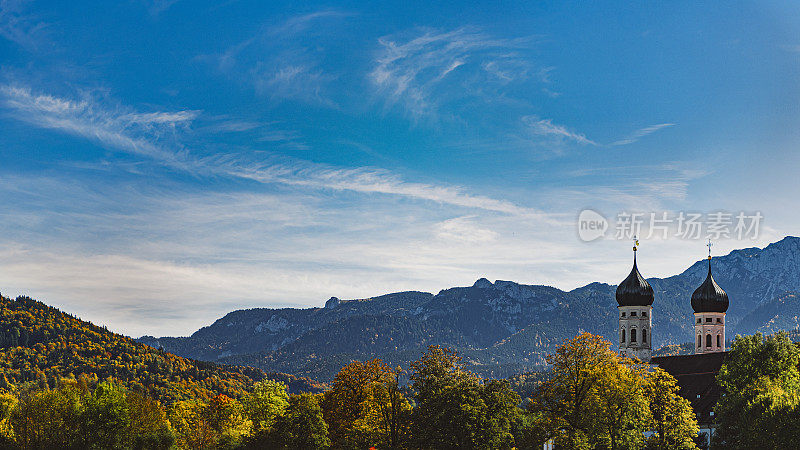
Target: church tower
pixel 709 303
pixel 635 305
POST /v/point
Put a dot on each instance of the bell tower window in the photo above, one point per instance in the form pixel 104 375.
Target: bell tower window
pixel 633 335
pixel 644 336
pixel 708 340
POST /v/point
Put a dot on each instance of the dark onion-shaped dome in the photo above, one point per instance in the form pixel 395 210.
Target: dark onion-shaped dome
pixel 634 290
pixel 709 297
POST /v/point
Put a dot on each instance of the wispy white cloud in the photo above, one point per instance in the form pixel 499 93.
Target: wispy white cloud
pixel 170 118
pixel 364 180
pixel 279 63
pixel 546 128
pixel 18 26
pixel 233 126
pixel 301 23
pixel 121 129
pixel 298 80
pixel 174 253
pixel 414 72
pixel 640 133
pixel 117 127
pixel 156 7
pixel 640 187
pixel 173 260
pixel 464 229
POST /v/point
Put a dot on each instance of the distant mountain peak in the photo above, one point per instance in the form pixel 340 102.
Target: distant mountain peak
pixel 483 283
pixel 332 302
pixel 501 327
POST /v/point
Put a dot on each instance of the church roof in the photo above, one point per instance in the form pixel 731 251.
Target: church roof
pixel 634 290
pixel 709 297
pixel 697 378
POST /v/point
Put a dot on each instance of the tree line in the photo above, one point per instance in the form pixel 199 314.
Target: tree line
pixel 592 398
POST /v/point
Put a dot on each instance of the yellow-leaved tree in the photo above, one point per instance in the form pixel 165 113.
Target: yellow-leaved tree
pixel 673 420
pixel 365 407
pixel 596 398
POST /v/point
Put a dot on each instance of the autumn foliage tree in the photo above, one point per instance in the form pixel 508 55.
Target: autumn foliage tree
pixel 455 409
pixel 266 402
pixel 387 413
pixel 596 398
pixel 672 419
pixel 70 417
pixel 365 407
pixel 68 384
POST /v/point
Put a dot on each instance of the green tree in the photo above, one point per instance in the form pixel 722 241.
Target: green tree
pixel 761 382
pixel 532 428
pixel 302 426
pixel 454 409
pixel 148 427
pixel 47 419
pixel 7 403
pixel 265 403
pixel 218 423
pixel 674 424
pixel 106 417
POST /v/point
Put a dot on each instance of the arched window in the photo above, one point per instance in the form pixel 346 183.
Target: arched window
pixel 622 336
pixel 708 340
pixel 644 336
pixel 699 341
pixel 633 335
pixel 719 341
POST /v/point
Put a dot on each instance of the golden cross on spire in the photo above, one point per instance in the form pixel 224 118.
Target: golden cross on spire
pixel 709 248
pixel 635 243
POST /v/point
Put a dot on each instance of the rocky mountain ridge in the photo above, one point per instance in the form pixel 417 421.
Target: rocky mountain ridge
pixel 501 328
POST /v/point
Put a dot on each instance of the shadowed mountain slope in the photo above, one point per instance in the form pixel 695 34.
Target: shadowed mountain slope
pixel 502 328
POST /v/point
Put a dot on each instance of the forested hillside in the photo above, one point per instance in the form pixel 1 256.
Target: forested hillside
pixel 40 344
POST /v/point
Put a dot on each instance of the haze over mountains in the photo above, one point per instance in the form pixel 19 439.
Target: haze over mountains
pixel 501 328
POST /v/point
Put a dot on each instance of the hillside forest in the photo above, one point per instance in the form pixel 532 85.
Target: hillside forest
pixel 67 384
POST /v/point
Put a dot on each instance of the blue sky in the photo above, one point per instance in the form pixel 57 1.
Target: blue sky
pixel 165 162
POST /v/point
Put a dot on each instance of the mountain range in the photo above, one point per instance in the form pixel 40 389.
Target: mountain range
pixel 500 328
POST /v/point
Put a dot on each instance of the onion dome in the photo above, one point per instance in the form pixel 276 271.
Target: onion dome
pixel 709 297
pixel 634 290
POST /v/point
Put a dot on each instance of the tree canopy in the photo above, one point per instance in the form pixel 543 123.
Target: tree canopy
pixel 761 382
